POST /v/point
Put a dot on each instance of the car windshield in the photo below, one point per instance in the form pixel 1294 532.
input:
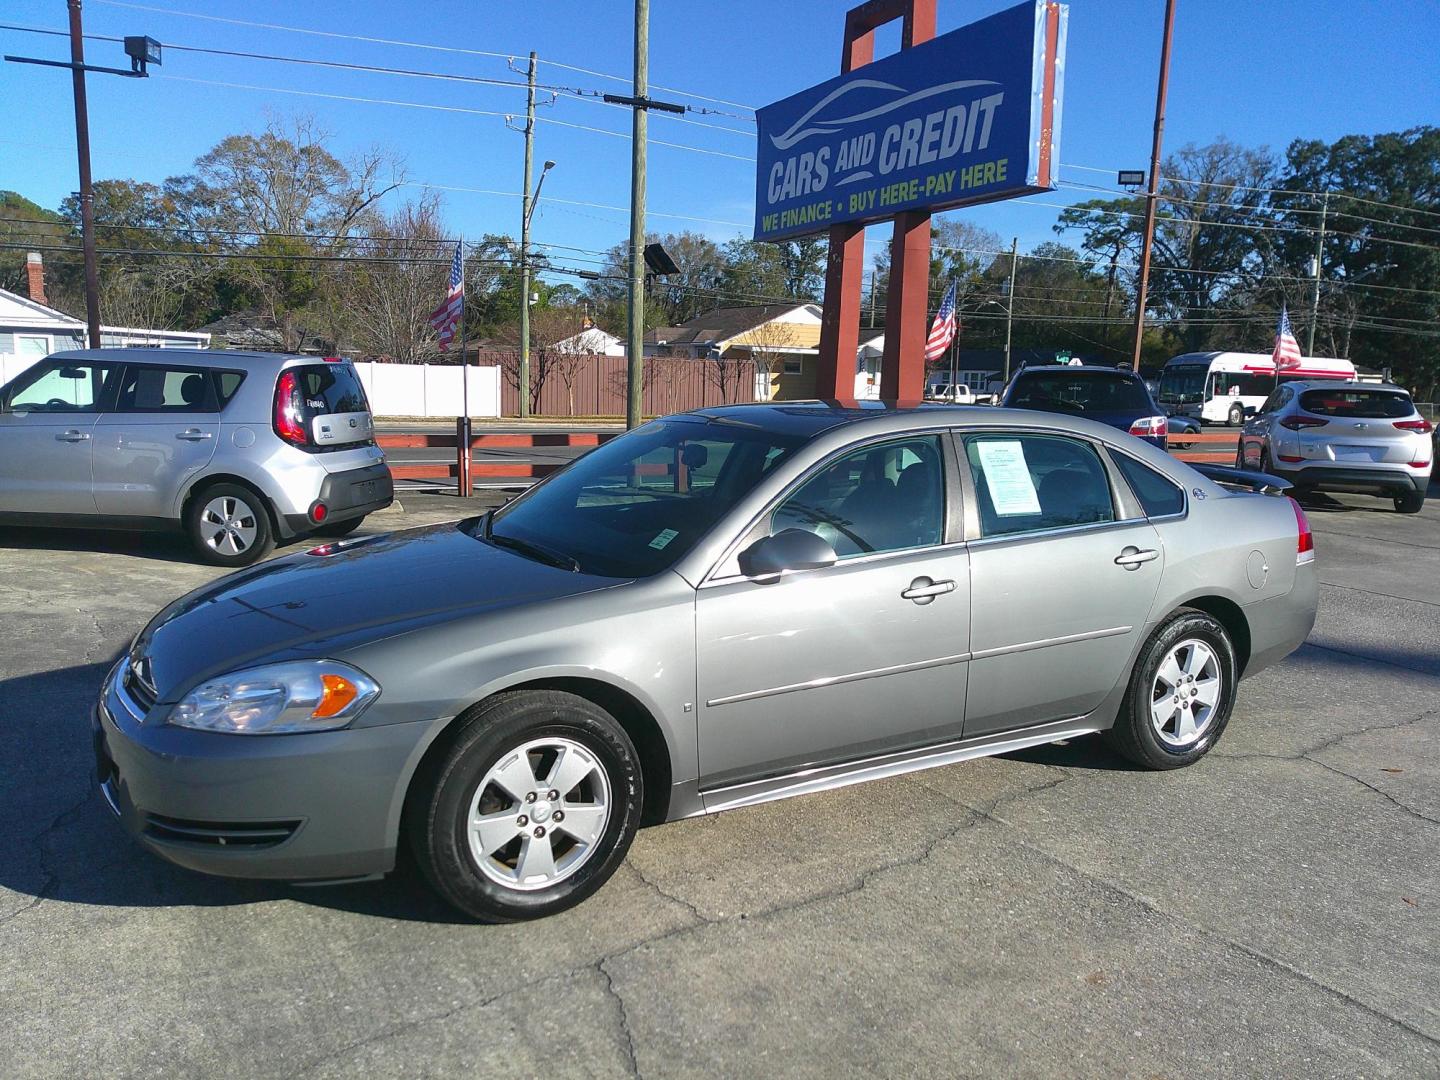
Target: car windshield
pixel 634 506
pixel 1362 404
pixel 1179 385
pixel 1085 394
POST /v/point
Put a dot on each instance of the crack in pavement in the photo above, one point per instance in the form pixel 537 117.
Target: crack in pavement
pixel 50 877
pixel 624 1016
pixel 1373 592
pixel 666 895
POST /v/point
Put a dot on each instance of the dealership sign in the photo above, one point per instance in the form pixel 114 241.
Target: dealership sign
pixel 971 116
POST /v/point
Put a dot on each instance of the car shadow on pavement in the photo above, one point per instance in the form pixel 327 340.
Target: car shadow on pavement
pixel 61 843
pixel 159 545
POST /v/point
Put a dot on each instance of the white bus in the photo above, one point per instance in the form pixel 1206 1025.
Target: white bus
pixel 1218 387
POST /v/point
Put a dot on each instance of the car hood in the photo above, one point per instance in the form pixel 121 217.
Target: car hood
pixel 314 605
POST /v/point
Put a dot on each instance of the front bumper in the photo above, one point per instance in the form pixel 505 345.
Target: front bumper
pixel 1384 480
pixel 320 806
pixel 347 495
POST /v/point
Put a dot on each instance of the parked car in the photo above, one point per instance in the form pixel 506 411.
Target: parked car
pixel 1343 436
pixel 717 609
pixel 236 448
pixel 1114 396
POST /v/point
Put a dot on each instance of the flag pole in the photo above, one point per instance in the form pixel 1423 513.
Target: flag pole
pixel 462 428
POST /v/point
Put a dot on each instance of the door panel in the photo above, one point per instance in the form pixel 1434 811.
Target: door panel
pixel 830 664
pixel 162 431
pixel 1054 622
pixel 46 437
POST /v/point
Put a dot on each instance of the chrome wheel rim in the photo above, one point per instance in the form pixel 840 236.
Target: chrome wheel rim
pixel 228 525
pixel 1185 694
pixel 538 815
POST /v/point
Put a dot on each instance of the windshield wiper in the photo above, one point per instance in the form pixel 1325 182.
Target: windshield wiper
pixel 535 551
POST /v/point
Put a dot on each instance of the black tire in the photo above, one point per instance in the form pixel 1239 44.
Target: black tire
pixel 1135 735
pixel 340 528
pixel 1411 502
pixel 1236 415
pixel 441 800
pixel 208 534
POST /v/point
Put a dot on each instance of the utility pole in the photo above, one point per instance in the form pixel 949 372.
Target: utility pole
pixel 1315 288
pixel 1153 187
pixel 640 103
pixel 524 379
pixel 872 299
pixel 87 191
pixel 1010 307
pixel 640 128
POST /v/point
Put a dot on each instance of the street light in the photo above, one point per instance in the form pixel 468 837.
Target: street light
pixel 142 52
pixel 530 211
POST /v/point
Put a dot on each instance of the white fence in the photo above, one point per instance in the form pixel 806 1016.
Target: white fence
pixel 393 389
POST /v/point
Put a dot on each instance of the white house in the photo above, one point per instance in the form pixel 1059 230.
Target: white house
pixel 592 341
pixel 31 331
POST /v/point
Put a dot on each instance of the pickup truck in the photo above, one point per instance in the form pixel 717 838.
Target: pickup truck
pixel 957 394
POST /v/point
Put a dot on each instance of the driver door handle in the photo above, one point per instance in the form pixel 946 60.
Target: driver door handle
pixel 193 435
pixel 73 436
pixel 1132 557
pixel 923 590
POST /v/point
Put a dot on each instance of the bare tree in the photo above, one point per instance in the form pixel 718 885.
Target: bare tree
pixel 387 299
pixel 769 344
pixel 557 335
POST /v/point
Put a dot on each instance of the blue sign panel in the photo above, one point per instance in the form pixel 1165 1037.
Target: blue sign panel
pixel 968 117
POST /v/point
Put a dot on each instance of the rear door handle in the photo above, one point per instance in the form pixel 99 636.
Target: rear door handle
pixel 923 590
pixel 73 436
pixel 193 435
pixel 1132 557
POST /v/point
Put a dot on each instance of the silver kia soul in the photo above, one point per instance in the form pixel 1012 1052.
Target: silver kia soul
pixel 237 448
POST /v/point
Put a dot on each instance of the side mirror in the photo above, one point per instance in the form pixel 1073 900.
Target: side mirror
pixel 790 549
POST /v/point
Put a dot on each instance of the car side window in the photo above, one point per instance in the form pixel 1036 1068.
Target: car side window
pixel 1159 495
pixel 1029 483
pixel 156 389
pixel 64 386
pixel 885 497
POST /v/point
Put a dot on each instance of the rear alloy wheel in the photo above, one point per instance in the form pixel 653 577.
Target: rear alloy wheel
pixel 1236 416
pixel 532 808
pixel 1411 502
pixel 1180 695
pixel 229 525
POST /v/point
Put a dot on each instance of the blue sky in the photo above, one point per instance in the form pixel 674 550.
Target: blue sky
pixel 1260 72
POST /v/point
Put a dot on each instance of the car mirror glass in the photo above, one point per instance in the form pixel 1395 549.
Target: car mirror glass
pixel 790 549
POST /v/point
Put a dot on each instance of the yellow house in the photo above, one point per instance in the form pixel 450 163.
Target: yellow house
pixel 783 340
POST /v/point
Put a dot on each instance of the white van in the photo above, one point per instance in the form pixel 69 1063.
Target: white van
pixel 1218 387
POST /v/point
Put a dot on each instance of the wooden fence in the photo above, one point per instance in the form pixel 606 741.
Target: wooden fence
pixel 597 385
pixel 1214 448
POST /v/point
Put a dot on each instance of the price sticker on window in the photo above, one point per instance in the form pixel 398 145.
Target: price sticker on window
pixel 1012 490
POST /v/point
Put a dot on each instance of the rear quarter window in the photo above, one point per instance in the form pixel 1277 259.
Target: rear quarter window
pixel 1159 495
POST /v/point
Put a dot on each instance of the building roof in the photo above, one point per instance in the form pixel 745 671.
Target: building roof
pixel 39 314
pixel 722 324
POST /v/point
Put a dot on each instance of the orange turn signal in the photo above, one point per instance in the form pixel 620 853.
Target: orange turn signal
pixel 337 693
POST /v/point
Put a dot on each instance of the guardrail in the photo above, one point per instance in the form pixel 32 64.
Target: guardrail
pixel 1215 448
pixel 481 469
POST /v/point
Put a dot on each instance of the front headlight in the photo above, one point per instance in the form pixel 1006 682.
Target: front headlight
pixel 295 696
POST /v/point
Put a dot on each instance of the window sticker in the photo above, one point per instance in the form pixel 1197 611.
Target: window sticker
pixel 662 538
pixel 1012 491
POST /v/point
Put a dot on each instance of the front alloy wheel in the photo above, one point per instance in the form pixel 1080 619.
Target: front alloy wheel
pixel 530 809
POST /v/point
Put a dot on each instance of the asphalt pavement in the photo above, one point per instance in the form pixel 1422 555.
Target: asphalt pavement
pixel 1271 911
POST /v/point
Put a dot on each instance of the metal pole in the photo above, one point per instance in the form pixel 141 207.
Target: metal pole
pixel 635 346
pixel 1010 305
pixel 1152 189
pixel 1315 288
pixel 524 380
pixel 463 477
pixel 87 192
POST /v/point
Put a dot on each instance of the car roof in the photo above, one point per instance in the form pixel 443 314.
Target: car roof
pixel 1344 384
pixel 1074 369
pixel 219 358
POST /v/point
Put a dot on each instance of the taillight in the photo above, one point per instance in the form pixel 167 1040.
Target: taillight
pixel 1300 423
pixel 1422 426
pixel 1305 542
pixel 1150 427
pixel 288 424
pixel 333 359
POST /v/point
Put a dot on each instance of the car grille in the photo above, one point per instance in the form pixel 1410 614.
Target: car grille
pixel 139 691
pixel 216 834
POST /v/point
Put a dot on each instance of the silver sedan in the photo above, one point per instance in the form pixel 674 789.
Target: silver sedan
pixel 718 609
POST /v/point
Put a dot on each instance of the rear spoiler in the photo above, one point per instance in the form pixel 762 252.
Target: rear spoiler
pixel 1244 479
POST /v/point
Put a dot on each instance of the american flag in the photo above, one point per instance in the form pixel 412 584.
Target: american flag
pixel 447 316
pixel 942 330
pixel 1287 349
